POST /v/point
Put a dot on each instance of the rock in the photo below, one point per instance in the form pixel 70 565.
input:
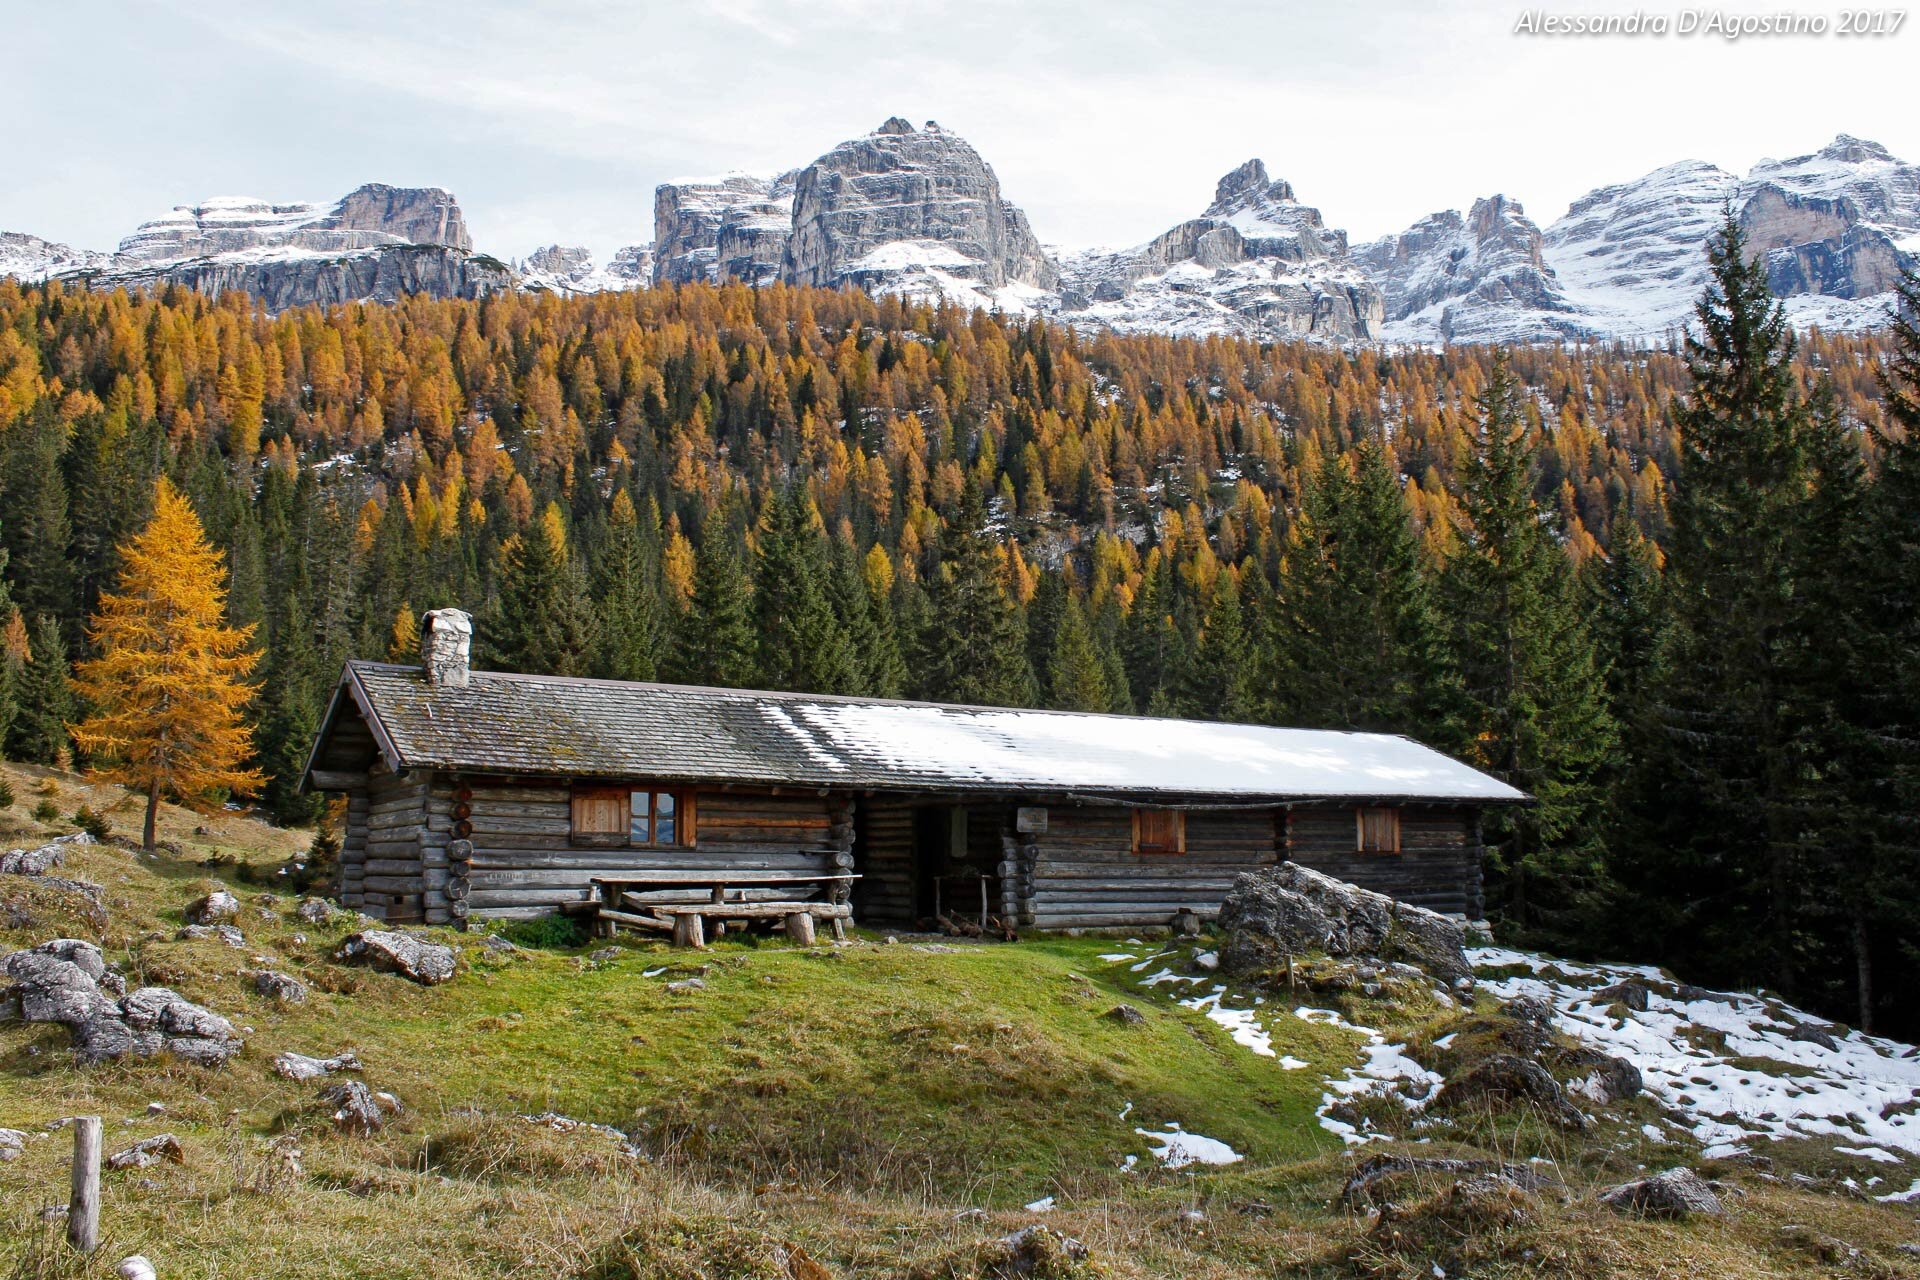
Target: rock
pixel 427 963
pixel 296 1066
pixel 1675 1193
pixel 1290 910
pixel 1634 995
pixel 148 1151
pixel 685 985
pixel 1504 1079
pixel 1491 1200
pixel 570 270
pixel 282 988
pixel 135 1267
pixel 910 210
pixel 730 228
pixel 36 862
pixel 31 259
pixel 605 955
pixel 1611 1080
pixel 355 1109
pixel 222 932
pixel 315 911
pixel 217 907
pixel 12 1143
pixel 1036 1249
pixel 494 942
pixel 1126 1015
pixel 1359 1186
pixel 1807 1033
pixel 61 982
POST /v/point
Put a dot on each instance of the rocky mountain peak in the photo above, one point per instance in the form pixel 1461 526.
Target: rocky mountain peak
pixel 1248 187
pixel 894 125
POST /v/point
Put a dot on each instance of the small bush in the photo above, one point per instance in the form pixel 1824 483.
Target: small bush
pixel 46 811
pixel 94 824
pixel 548 933
pixel 6 794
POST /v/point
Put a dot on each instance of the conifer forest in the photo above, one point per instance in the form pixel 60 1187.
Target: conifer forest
pixel 1673 593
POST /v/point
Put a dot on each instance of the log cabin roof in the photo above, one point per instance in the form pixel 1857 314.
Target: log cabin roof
pixel 557 727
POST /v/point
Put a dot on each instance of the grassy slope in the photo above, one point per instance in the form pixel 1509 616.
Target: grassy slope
pixel 850 1100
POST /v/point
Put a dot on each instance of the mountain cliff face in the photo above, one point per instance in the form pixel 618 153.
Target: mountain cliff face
pixel 570 270
pixel 730 228
pixel 1257 263
pixel 26 257
pixel 1478 278
pixel 906 199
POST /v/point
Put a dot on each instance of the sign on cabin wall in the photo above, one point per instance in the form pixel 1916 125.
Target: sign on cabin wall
pixel 1030 820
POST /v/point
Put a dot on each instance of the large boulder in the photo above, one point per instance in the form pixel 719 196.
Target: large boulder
pixel 66 981
pixel 36 862
pixel 218 907
pixel 1290 910
pixel 427 963
pixel 1503 1080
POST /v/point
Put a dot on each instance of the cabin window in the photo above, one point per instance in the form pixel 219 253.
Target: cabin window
pixel 1159 831
pixel 649 818
pixel 1377 829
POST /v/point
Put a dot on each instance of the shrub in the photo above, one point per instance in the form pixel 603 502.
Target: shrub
pixel 46 811
pixel 548 933
pixel 6 794
pixel 94 824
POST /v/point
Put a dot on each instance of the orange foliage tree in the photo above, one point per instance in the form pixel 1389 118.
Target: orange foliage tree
pixel 169 686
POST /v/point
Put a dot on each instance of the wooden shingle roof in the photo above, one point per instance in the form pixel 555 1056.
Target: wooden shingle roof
pixel 551 726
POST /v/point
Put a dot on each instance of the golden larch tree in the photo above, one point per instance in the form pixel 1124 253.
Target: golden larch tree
pixel 169 684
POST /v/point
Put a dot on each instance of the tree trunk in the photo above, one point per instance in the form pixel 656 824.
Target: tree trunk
pixel 153 816
pixel 1863 968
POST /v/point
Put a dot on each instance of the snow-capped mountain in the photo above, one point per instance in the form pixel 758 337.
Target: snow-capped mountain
pixel 570 269
pixel 919 212
pixel 1257 264
pixel 1478 278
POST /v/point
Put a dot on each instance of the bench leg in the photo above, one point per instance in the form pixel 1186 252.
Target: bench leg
pixel 689 931
pixel 839 929
pixel 800 927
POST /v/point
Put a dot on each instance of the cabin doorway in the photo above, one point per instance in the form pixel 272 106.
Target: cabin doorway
pixel 956 864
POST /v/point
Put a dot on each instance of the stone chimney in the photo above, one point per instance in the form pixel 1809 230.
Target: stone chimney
pixel 446 639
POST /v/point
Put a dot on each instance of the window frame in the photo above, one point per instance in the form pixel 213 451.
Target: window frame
pixel 685 831
pixel 1392 814
pixel 1178 844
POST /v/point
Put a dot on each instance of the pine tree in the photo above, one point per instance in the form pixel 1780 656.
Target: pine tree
pixel 1535 699
pixel 1076 680
pixel 33 493
pixel 14 653
pixel 1716 865
pixel 1222 679
pixel 628 599
pixel 713 641
pixel 168 686
pixel 44 698
pixel 802 646
pixel 975 643
pixel 1355 640
pixel 1155 648
pixel 543 623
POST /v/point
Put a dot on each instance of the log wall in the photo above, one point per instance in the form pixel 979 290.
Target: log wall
pixel 392 886
pixel 883 855
pixel 1082 872
pixel 1438 865
pixel 523 861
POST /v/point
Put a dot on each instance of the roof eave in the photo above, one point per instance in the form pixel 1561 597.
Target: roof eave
pixel 349 686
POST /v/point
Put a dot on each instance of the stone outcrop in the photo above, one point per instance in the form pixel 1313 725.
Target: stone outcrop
pixel 30 258
pixel 297 1066
pixel 1504 1079
pixel 217 907
pixel 66 981
pixel 728 228
pixel 38 861
pixel 1257 263
pixel 427 963
pixel 1291 910
pixel 376 275
pixel 570 270
pixel 1674 1193
pixel 1474 278
pixel 904 198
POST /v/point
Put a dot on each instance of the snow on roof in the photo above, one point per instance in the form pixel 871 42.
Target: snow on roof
pixel 601 728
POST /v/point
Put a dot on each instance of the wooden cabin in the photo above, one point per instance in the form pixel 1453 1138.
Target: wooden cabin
pixel 477 793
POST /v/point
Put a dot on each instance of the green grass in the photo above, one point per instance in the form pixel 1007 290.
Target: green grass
pixel 865 1103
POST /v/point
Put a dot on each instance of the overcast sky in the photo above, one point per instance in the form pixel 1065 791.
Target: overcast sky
pixel 1109 122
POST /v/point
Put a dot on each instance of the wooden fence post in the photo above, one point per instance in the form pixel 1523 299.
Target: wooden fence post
pixel 83 1208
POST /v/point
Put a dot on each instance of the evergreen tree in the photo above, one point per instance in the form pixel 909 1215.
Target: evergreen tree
pixel 33 493
pixel 1534 694
pixel 802 645
pixel 1155 648
pixel 43 697
pixel 1076 678
pixel 1716 863
pixel 713 641
pixel 543 623
pixel 168 685
pixel 1355 640
pixel 293 693
pixel 885 665
pixel 628 598
pixel 1629 615
pixel 14 652
pixel 1044 610
pixel 975 643
pixel 1223 680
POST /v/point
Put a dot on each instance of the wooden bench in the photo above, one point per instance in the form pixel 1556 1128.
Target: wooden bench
pixel 787 896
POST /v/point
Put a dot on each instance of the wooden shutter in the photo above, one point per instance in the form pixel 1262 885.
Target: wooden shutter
pixel 600 814
pixel 1377 830
pixel 1159 831
pixel 689 821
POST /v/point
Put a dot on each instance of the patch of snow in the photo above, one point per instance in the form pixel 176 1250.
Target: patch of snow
pixel 1385 1071
pixel 1043 1205
pixel 1176 1148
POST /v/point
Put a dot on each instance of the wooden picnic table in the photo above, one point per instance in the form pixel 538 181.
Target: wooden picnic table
pixel 742 895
